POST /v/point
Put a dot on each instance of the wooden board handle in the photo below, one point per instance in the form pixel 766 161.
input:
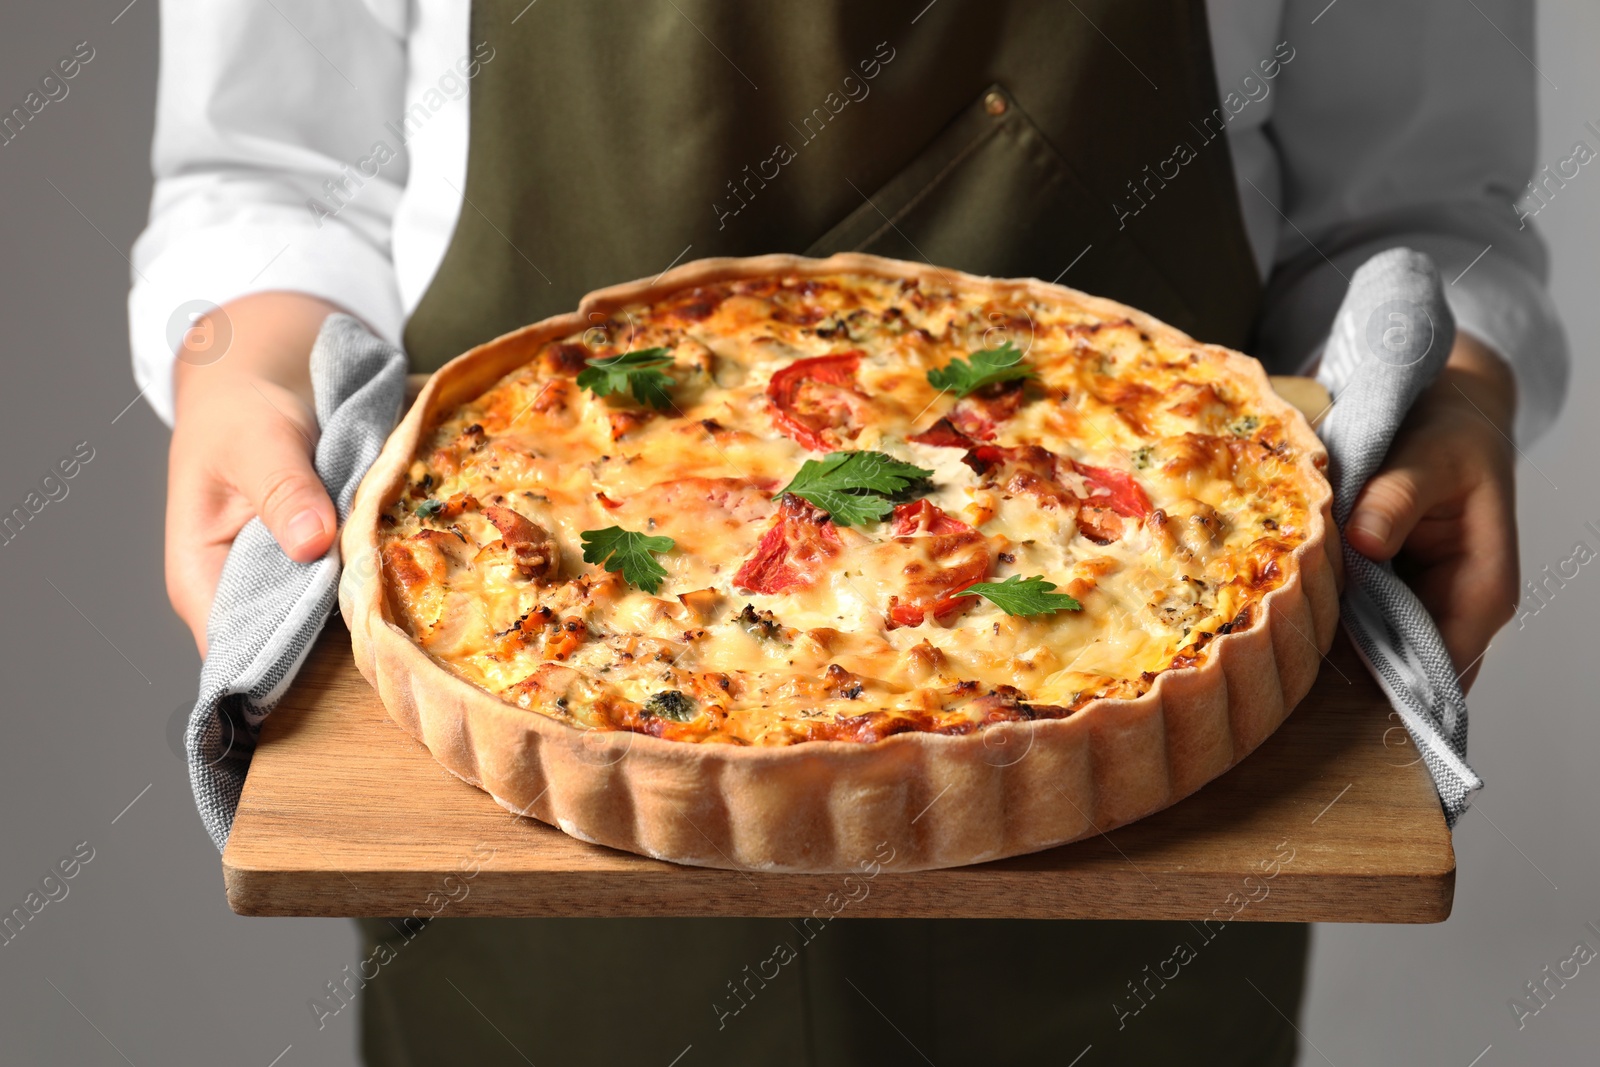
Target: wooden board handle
pixel 1307 394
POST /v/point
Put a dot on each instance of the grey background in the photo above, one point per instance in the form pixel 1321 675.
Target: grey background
pixel 142 961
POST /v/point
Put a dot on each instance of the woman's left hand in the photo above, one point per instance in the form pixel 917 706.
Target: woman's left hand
pixel 1443 506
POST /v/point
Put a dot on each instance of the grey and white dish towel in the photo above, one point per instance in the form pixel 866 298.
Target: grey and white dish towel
pixel 1389 341
pixel 269 609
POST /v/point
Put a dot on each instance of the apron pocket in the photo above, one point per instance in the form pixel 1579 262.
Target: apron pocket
pixel 990 195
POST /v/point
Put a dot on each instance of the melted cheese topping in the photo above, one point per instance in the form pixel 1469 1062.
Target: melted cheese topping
pixel 706 659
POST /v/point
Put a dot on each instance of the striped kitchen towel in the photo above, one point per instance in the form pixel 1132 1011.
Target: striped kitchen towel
pixel 1389 342
pixel 269 609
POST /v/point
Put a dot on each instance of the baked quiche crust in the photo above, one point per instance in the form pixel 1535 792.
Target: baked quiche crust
pixel 1007 769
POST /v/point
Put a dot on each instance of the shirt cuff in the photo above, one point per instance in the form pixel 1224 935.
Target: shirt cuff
pixel 1497 299
pixel 211 265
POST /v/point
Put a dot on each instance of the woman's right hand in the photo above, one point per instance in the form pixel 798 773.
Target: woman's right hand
pixel 242 444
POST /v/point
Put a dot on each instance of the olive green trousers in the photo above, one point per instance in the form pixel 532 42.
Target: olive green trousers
pixel 776 993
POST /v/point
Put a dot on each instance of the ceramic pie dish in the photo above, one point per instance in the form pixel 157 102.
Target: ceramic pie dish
pixel 712 719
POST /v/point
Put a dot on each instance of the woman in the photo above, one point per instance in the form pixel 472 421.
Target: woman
pixel 448 175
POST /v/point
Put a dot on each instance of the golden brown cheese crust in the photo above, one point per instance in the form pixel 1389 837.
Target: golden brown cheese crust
pixel 1144 476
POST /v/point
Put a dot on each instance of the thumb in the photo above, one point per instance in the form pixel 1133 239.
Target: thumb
pixel 1388 509
pixel 275 474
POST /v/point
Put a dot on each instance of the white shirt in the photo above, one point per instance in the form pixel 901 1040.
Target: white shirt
pixel 1391 124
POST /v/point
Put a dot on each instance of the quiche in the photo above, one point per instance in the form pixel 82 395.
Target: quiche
pixel 768 561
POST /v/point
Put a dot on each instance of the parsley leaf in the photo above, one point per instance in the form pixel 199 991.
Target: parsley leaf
pixel 638 372
pixel 854 487
pixel 984 367
pixel 1023 596
pixel 617 549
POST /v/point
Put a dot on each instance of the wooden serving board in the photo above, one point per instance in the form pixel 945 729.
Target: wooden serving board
pixel 1333 819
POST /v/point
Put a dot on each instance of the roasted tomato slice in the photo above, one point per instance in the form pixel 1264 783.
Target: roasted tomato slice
pixel 1026 470
pixel 920 517
pixel 950 556
pixel 943 434
pixel 793 553
pixel 814 399
pixel 981 413
pixel 1115 490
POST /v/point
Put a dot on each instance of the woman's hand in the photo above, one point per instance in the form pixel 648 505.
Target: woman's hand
pixel 242 444
pixel 1443 505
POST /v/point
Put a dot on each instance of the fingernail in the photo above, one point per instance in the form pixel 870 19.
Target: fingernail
pixel 1375 526
pixel 303 529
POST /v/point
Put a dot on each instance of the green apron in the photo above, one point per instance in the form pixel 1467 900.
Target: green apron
pixel 610 139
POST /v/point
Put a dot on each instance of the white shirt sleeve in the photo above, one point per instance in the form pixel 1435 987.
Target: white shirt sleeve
pixel 268 114
pixel 1413 124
